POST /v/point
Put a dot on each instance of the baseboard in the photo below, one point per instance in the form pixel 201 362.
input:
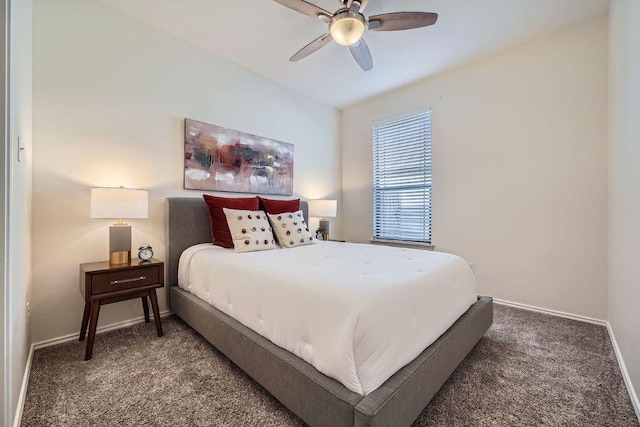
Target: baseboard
pixel 625 374
pixel 623 367
pixel 551 312
pixel 23 389
pixel 99 330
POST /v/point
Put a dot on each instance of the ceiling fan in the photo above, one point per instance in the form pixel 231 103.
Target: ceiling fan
pixel 348 24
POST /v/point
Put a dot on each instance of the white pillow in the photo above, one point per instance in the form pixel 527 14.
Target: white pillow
pixel 291 229
pixel 250 230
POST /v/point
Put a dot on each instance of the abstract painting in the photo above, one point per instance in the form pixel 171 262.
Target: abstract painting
pixel 221 159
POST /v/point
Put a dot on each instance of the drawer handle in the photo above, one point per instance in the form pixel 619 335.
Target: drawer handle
pixel 135 279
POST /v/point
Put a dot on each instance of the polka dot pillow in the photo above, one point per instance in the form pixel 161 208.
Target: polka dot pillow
pixel 250 230
pixel 291 229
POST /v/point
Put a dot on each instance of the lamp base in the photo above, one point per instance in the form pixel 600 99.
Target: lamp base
pixel 119 244
pixel 324 226
pixel 120 257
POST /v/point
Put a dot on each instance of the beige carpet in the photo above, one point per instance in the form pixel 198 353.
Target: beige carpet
pixel 529 370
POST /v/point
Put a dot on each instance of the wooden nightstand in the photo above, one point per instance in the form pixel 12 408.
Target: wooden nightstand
pixel 103 283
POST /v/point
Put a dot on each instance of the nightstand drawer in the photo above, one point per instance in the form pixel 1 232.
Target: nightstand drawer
pixel 125 279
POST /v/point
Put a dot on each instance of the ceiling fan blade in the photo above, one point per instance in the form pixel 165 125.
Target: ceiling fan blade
pixel 361 54
pixel 401 21
pixel 311 47
pixel 306 8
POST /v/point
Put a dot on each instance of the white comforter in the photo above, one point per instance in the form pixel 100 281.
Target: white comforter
pixel 357 313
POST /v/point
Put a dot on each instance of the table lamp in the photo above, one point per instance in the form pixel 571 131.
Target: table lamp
pixel 119 203
pixel 323 209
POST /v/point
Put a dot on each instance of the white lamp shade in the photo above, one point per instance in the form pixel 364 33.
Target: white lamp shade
pixel 323 208
pixel 119 203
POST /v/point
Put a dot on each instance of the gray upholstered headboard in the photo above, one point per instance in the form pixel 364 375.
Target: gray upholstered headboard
pixel 187 225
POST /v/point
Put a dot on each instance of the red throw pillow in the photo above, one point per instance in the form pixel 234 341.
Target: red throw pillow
pixel 220 234
pixel 279 206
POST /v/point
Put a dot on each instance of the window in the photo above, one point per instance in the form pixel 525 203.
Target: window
pixel 402 179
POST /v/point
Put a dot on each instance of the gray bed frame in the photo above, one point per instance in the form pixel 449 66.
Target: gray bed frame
pixel 315 398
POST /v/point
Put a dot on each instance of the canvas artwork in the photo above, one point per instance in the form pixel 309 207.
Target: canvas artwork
pixel 221 159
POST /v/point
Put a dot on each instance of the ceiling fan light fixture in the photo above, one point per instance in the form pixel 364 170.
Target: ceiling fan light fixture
pixel 346 28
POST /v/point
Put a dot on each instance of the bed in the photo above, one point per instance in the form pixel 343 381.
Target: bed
pixel 315 398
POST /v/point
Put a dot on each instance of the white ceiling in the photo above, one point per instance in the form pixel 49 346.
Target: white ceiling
pixel 261 35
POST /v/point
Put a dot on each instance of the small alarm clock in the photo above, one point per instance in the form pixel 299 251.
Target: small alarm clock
pixel 145 252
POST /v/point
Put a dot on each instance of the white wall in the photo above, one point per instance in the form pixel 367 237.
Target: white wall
pixel 519 168
pixel 4 310
pixel 19 235
pixel 4 303
pixel 624 182
pixel 110 97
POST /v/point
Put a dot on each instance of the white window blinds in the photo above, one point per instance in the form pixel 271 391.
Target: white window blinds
pixel 402 179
